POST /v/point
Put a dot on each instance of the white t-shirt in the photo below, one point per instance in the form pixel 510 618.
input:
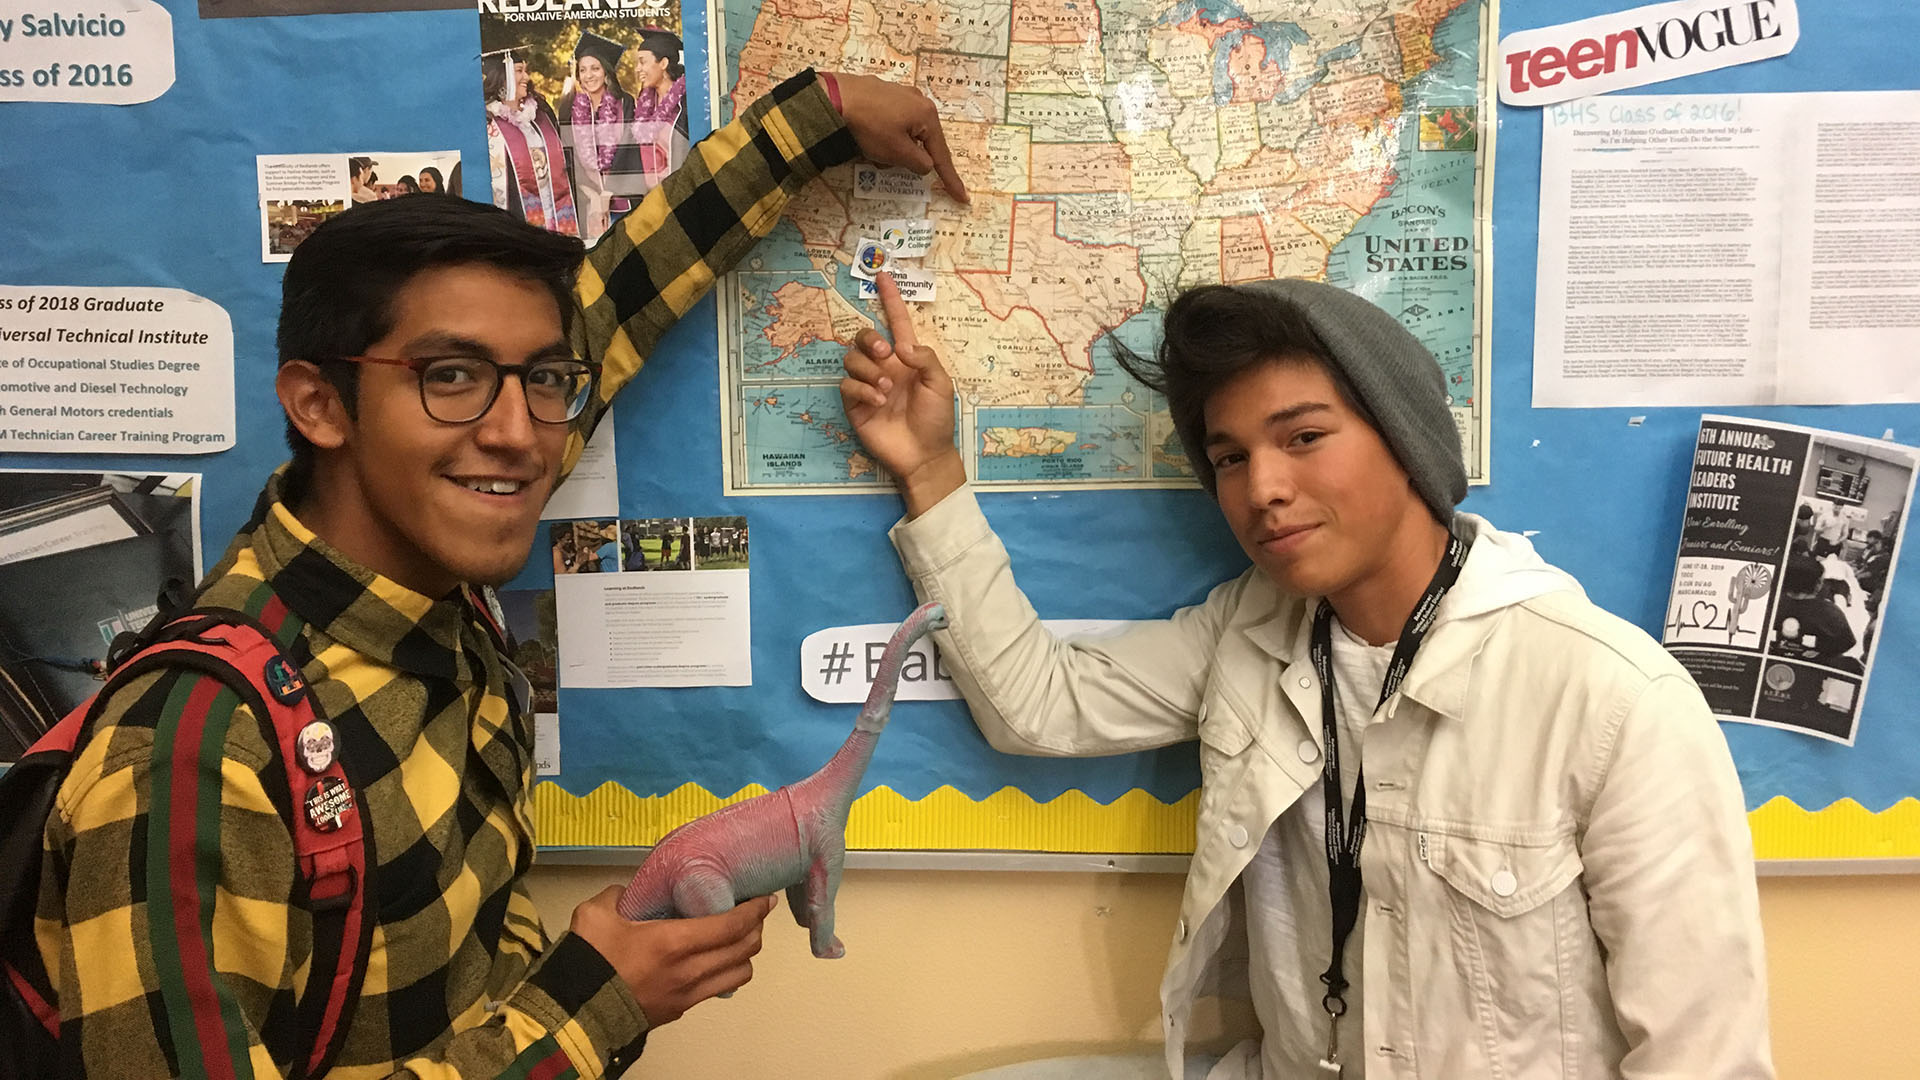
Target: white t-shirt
pixel 1289 916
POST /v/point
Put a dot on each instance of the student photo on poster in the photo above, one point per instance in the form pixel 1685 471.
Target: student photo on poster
pixel 533 635
pixel 660 105
pixel 583 117
pixel 1847 521
pixel 524 151
pixel 720 543
pixel 1850 507
pixel 657 543
pixel 585 547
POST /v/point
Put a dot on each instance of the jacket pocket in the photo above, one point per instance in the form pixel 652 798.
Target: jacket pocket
pixel 1518 938
pixel 1507 880
pixel 1220 730
pixel 1224 753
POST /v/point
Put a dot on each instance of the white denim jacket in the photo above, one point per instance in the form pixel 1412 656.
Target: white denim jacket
pixel 1558 869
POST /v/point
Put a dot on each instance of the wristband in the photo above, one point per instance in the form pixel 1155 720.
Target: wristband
pixel 833 89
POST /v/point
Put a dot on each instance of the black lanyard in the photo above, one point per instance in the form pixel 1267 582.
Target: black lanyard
pixel 1343 845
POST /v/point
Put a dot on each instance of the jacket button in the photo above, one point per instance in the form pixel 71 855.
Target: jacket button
pixel 1201 716
pixel 1503 883
pixel 1308 752
pixel 1238 835
pixel 1180 931
pixel 1305 682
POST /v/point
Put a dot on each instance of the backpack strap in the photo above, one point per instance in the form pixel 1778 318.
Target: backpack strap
pixel 329 837
pixel 26 802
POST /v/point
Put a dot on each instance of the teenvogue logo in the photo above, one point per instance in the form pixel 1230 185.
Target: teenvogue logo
pixel 1645 45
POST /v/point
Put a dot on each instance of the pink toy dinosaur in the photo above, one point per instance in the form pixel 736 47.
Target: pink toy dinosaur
pixel 793 839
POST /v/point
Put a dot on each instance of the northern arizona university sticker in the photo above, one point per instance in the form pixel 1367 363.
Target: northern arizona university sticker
pixel 329 801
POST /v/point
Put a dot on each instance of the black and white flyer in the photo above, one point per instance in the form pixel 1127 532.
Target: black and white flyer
pixel 1786 560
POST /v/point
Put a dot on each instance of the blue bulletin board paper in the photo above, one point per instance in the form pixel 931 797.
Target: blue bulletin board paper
pixel 163 194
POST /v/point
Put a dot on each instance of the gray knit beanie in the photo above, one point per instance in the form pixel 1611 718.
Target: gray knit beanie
pixel 1396 379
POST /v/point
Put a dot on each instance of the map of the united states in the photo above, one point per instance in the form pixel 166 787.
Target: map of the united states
pixel 1116 152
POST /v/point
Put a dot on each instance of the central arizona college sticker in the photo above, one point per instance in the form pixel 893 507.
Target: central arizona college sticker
pixel 329 801
pixel 284 680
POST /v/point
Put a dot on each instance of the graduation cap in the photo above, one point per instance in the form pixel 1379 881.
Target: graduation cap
pixel 664 44
pixel 507 55
pixel 507 58
pixel 604 49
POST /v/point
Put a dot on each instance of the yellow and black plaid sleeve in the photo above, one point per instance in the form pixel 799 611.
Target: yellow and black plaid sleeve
pixel 167 920
pixel 662 257
pixel 165 914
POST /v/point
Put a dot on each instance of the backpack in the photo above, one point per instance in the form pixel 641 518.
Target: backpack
pixel 331 879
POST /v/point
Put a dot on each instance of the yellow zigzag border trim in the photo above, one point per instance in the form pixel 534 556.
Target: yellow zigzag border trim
pixel 1135 823
pixel 882 819
pixel 1844 830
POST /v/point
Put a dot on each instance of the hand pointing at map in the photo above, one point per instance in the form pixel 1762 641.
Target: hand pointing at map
pixel 897 125
pixel 900 402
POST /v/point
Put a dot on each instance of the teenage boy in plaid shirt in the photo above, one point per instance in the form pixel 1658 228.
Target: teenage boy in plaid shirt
pixel 441 367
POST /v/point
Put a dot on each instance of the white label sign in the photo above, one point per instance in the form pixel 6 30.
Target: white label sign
pixel 114 371
pixel 876 182
pixel 909 238
pixel 838 665
pixel 546 744
pixel 916 286
pixel 1645 45
pixel 116 53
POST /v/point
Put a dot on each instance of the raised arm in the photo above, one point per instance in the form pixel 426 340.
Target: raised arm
pixel 664 255
pixel 1029 691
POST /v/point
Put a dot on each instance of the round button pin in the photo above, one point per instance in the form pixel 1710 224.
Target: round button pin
pixel 872 257
pixel 317 747
pixel 328 803
pixel 284 681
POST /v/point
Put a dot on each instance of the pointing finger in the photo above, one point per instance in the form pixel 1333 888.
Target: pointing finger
pixel 936 142
pixel 899 323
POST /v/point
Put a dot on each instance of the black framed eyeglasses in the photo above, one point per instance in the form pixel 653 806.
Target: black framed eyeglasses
pixel 460 389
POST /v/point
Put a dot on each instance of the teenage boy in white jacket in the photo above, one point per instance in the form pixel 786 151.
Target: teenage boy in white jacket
pixel 1556 878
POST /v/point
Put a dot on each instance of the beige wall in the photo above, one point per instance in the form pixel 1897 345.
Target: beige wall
pixel 951 972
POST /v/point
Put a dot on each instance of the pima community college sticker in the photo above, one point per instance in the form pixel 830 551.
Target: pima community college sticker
pixel 329 801
pixel 284 680
pixel 316 746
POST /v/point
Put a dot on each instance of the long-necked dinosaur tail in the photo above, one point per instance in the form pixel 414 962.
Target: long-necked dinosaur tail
pixel 886 682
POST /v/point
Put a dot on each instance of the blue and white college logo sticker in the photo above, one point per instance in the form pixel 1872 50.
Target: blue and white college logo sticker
pixel 284 680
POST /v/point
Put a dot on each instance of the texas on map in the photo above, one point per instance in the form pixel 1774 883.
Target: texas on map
pixel 1116 152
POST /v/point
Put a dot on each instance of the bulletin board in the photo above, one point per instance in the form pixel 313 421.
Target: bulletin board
pixel 164 194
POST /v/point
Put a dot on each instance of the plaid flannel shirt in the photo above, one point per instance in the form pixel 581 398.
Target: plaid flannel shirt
pixel 175 941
